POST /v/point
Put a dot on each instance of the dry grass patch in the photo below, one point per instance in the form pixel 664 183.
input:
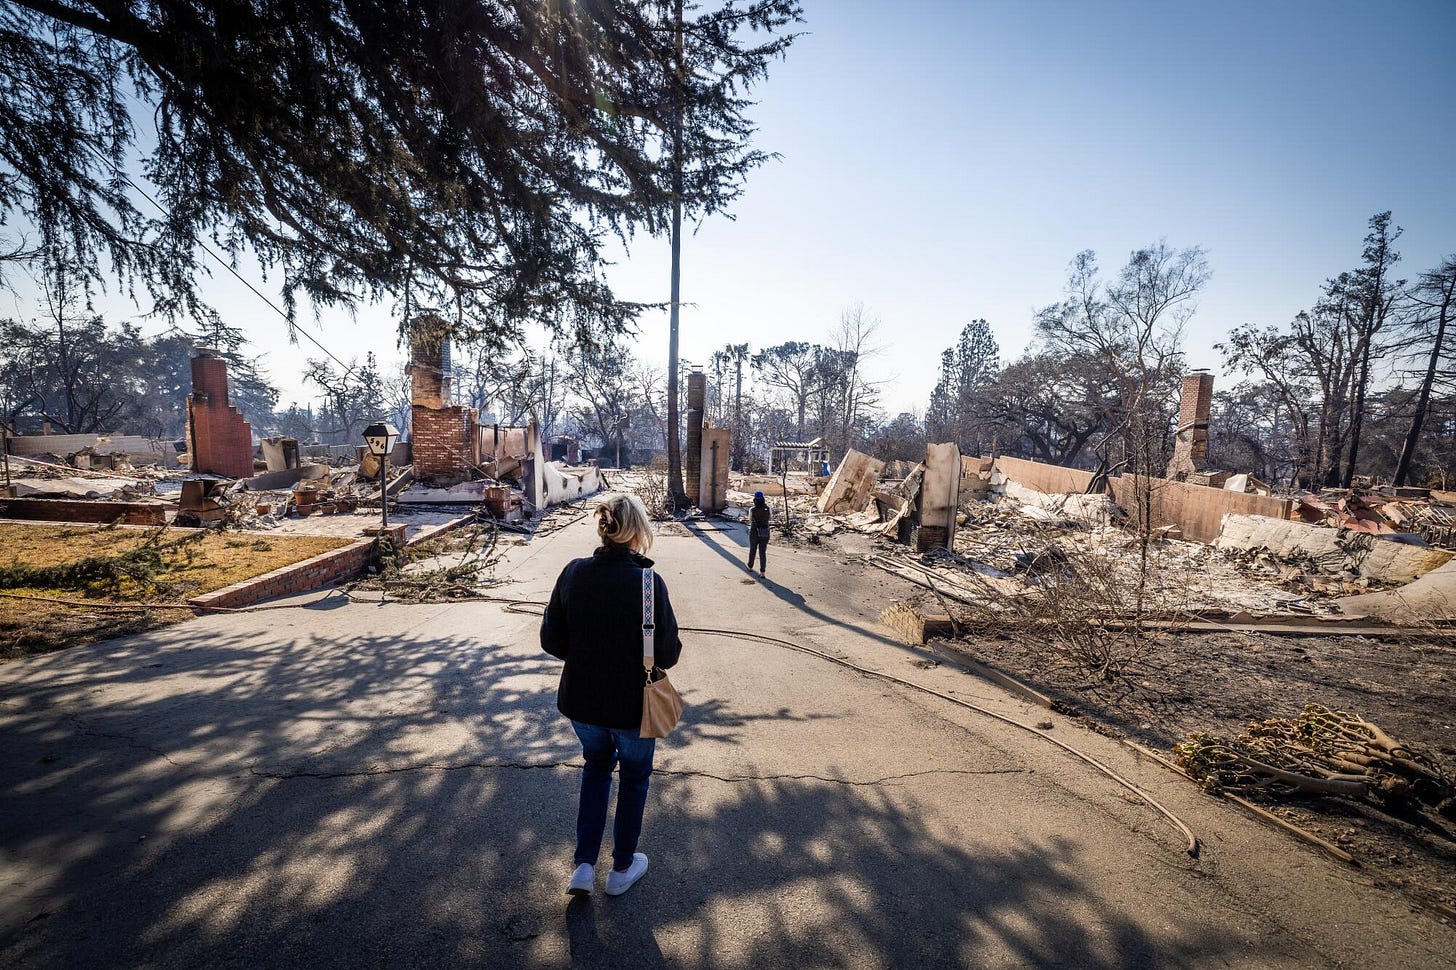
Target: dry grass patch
pixel 111 568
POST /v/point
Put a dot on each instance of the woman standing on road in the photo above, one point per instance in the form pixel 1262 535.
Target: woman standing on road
pixel 758 529
pixel 594 623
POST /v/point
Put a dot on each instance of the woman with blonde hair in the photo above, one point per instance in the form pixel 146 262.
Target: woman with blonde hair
pixel 594 623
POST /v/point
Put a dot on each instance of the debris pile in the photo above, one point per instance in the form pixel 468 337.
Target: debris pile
pixel 227 478
pixel 1427 513
pixel 1014 550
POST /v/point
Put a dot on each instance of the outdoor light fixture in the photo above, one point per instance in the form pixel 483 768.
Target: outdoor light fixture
pixel 380 437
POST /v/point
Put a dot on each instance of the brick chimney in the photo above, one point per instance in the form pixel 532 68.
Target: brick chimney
pixel 1190 448
pixel 429 367
pixel 442 435
pixel 219 440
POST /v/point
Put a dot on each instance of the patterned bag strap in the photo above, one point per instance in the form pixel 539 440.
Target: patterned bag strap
pixel 648 626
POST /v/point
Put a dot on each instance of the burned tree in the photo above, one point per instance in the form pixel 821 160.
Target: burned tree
pixel 845 381
pixel 1132 327
pixel 1369 295
pixel 1050 406
pixel 67 368
pixel 1434 302
pixel 614 397
pixel 792 367
pixel 352 397
pixel 734 357
pixel 1320 364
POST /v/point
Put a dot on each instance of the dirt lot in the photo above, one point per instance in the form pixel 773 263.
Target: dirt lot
pixel 111 570
pixel 1220 682
pixel 1180 682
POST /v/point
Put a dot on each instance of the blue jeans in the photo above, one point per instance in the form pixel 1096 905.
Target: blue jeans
pixel 603 748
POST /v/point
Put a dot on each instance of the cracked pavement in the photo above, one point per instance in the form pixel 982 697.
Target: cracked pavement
pixel 352 785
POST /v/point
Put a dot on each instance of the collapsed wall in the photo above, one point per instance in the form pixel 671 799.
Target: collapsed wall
pixel 1430 598
pixel 101 444
pixel 849 488
pixel 1330 550
pixel 1098 509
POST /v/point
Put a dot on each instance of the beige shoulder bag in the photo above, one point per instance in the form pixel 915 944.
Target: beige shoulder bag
pixel 661 704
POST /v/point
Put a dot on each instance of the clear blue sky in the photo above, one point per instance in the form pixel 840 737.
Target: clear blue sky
pixel 944 161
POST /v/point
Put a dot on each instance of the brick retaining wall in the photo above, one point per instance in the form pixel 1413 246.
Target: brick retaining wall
pixel 322 570
pixel 83 511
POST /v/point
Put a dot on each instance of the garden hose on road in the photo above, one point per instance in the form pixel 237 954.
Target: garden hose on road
pixel 1192 847
pixel 518 606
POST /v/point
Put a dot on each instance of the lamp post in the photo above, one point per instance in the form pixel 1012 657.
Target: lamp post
pixel 380 437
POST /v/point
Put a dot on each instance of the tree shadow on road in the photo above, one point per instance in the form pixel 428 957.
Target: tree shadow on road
pixel 403 802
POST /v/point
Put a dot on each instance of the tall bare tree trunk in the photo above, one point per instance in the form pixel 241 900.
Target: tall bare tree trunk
pixel 677 494
pixel 1423 401
pixel 1357 420
pixel 739 449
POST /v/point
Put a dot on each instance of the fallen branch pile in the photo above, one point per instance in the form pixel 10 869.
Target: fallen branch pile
pixel 427 575
pixel 1323 752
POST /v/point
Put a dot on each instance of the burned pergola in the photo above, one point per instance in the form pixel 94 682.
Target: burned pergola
pixel 806 452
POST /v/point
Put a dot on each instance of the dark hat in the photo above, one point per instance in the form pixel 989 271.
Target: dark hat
pixel 758 496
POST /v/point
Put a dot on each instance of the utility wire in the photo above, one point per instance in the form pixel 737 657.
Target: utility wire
pixel 225 264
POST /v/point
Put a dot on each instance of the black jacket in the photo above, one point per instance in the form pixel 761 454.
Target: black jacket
pixel 759 519
pixel 594 623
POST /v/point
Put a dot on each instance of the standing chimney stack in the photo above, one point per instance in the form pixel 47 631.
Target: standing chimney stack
pixel 1190 449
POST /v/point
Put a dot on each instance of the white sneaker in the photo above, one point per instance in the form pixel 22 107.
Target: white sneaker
pixel 582 880
pixel 620 882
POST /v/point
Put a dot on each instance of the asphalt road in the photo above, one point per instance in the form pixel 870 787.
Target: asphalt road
pixel 365 785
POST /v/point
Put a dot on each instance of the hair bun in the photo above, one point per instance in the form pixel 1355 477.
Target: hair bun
pixel 606 521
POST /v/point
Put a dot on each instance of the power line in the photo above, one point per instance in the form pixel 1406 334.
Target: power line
pixel 225 264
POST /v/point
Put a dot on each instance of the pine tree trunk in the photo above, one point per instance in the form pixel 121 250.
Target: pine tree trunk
pixel 1357 420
